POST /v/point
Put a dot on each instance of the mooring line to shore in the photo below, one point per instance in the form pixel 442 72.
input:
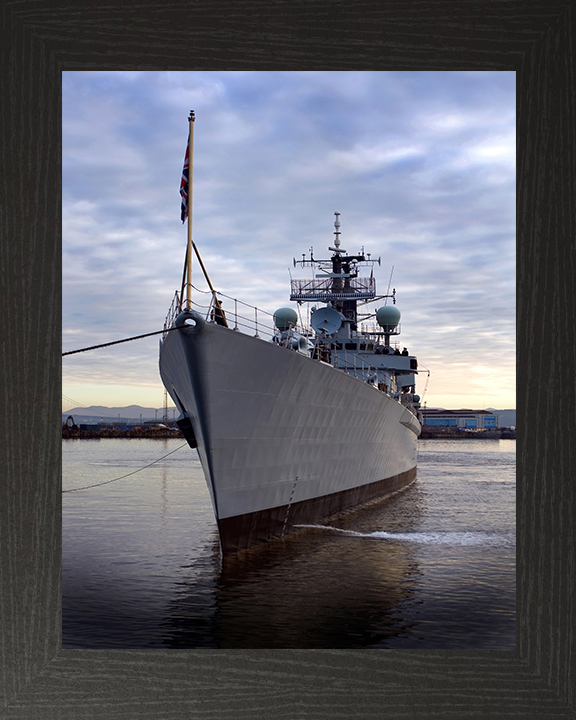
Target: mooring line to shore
pixel 107 482
pixel 117 342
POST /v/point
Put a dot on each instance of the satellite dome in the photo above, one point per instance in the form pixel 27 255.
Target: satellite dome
pixel 388 317
pixel 326 320
pixel 285 318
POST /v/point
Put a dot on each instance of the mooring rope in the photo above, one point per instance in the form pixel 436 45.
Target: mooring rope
pixel 116 342
pixel 107 482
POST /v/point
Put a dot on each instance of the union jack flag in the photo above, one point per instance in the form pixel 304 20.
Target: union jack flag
pixel 184 185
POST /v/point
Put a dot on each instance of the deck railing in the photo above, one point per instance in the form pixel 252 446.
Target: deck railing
pixel 240 316
pixel 325 289
pixel 173 312
pixel 251 320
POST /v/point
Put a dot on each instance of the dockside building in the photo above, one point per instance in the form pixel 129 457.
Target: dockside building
pixel 464 418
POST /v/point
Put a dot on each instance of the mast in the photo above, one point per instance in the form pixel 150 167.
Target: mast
pixel 218 311
pixel 191 119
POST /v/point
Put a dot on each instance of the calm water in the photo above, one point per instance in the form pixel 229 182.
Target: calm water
pixel 434 567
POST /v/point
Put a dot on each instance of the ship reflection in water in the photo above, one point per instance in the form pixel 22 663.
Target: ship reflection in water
pixel 319 588
pixel 431 567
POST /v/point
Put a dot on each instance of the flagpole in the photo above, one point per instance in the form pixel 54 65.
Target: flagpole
pixel 191 119
pixel 219 315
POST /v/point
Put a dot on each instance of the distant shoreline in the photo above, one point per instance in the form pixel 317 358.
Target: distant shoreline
pixel 443 433
pixel 141 433
pixel 166 433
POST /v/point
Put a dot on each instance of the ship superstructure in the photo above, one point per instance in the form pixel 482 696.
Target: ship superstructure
pixel 341 336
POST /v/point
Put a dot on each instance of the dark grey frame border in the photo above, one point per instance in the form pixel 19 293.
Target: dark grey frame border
pixel 40 40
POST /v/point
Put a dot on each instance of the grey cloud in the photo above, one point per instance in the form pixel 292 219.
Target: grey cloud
pixel 419 164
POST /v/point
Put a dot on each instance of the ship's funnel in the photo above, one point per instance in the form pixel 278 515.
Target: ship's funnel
pixel 388 317
pixel 285 318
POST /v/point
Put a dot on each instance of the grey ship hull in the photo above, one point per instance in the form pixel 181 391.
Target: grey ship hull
pixel 283 439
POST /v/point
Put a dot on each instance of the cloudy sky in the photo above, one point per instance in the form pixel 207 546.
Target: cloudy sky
pixel 421 166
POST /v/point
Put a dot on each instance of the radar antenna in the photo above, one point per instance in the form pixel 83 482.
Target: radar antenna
pixel 326 320
pixel 337 232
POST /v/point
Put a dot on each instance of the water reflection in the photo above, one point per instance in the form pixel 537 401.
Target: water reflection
pixel 314 589
pixel 434 567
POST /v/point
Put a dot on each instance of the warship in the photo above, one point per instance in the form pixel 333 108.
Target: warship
pixel 294 421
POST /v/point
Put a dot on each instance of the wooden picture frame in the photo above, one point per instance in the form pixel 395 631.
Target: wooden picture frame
pixel 40 680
